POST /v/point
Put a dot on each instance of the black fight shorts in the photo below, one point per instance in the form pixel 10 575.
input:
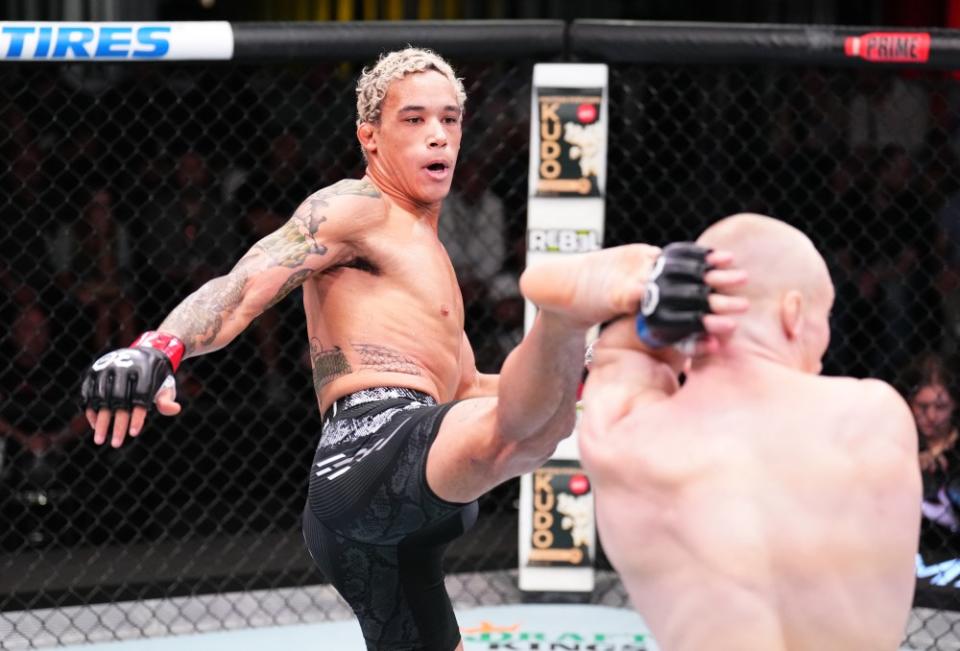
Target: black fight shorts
pixel 374 527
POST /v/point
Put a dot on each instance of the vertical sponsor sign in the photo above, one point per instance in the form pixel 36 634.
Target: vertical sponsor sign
pixel 565 216
pixel 563 525
pixel 572 139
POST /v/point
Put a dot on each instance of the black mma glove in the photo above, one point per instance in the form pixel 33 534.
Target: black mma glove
pixel 675 297
pixel 132 376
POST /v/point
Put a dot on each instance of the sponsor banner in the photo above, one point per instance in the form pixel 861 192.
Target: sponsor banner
pixel 561 226
pixel 541 627
pixel 564 240
pixel 565 215
pixel 516 627
pixel 563 525
pixel 572 147
pixel 889 47
pixel 131 41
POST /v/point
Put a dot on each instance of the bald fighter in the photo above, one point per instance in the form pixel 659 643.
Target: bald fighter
pixel 760 505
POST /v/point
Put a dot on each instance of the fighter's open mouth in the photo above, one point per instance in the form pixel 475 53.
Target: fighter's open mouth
pixel 436 167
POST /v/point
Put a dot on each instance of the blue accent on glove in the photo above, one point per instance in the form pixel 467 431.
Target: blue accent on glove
pixel 643 331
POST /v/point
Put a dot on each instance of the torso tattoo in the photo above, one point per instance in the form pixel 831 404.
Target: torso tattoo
pixel 327 363
pixel 382 358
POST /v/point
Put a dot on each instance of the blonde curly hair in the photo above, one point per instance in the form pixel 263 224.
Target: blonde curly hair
pixel 374 82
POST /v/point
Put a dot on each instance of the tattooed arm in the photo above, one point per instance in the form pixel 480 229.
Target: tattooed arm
pixel 317 236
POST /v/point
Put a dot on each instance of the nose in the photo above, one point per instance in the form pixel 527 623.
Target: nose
pixel 928 411
pixel 438 137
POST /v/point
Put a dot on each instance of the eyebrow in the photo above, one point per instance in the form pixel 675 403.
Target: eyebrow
pixel 411 108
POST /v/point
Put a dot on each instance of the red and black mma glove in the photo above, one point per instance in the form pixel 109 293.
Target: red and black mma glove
pixel 132 376
pixel 675 297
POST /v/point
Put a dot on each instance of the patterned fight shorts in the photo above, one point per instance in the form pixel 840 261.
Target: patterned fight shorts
pixel 374 527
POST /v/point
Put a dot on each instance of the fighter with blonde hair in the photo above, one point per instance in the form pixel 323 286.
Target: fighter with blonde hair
pixel 759 505
pixel 411 433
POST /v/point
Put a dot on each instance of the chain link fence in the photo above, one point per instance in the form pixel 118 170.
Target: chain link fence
pixel 127 187
pixel 865 163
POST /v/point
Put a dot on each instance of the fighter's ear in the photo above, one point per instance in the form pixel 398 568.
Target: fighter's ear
pixel 791 314
pixel 367 135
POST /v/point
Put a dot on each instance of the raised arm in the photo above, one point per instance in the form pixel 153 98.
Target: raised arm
pixel 631 364
pixel 623 374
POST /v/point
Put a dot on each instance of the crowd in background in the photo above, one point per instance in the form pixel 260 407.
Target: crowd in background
pixel 121 195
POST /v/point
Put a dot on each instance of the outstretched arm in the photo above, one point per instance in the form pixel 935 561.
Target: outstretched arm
pixel 319 234
pixel 312 240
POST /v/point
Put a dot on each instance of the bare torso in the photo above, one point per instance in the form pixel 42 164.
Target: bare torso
pixel 389 314
pixel 761 514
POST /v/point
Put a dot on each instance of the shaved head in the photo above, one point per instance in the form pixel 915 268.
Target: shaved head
pixel 788 280
pixel 777 256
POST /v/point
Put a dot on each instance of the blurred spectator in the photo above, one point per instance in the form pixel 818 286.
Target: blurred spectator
pixel 282 179
pixel 184 238
pixel 948 221
pixel 808 134
pixel 472 229
pixel 504 330
pixel 93 260
pixel 888 110
pixel 891 242
pixel 18 134
pixel 267 199
pixel 813 116
pixel 36 422
pixel 25 264
pixel 472 226
pixel 929 384
pixel 502 326
pixel 840 238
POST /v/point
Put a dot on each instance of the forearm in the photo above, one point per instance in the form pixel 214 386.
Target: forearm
pixel 211 317
pixel 625 373
pixel 537 389
pixel 619 381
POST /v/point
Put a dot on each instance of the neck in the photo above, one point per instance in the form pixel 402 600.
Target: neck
pixel 738 363
pixel 395 195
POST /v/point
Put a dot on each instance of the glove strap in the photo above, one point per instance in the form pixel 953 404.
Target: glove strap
pixel 166 343
pixel 643 332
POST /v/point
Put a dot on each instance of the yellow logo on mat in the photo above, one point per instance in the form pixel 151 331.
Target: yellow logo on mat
pixel 487 627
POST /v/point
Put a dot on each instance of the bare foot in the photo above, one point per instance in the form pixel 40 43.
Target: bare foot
pixel 593 287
